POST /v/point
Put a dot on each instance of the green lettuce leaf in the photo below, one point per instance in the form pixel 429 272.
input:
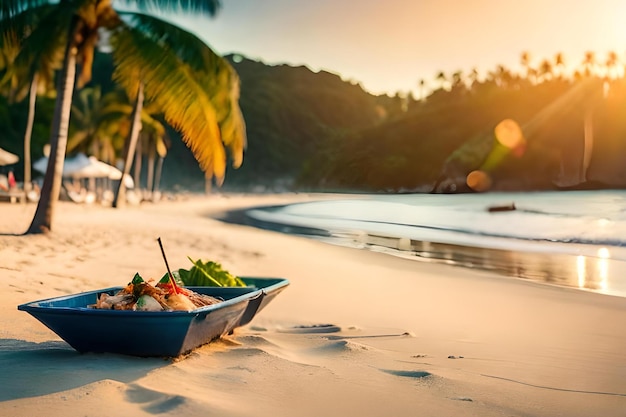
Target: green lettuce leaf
pixel 205 274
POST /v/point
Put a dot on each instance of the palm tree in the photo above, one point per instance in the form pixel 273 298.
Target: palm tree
pixel 422 85
pixel 154 185
pixel 442 78
pixel 559 65
pixel 138 54
pixel 589 63
pixel 100 124
pixel 97 127
pixel 212 98
pixel 155 144
pixel 545 70
pixel 457 81
pixel 525 61
pixel 151 142
pixel 9 50
pixel 611 64
pixel 89 133
pixel 531 73
pixel 502 76
pixel 23 63
pixel 473 78
pixel 150 145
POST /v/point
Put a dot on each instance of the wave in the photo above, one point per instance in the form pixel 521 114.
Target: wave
pixel 573 239
pixel 461 221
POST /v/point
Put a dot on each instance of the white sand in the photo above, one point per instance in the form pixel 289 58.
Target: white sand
pixel 415 338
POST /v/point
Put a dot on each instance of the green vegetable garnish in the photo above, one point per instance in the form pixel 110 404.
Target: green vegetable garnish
pixel 205 274
pixel 137 279
pixel 176 275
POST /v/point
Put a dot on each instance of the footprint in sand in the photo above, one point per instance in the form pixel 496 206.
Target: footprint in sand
pixel 408 374
pixel 314 328
pixel 154 402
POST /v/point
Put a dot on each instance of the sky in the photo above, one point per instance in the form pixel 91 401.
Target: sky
pixel 388 46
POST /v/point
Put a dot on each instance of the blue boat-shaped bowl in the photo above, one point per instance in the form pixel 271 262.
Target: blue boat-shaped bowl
pixel 145 333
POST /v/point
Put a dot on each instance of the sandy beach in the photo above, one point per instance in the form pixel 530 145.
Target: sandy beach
pixel 356 333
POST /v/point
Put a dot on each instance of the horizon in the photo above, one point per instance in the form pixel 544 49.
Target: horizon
pixel 383 49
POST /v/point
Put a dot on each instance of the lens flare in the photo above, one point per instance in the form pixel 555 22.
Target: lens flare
pixel 478 181
pixel 509 133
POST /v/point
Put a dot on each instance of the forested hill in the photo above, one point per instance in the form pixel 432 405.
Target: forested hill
pixel 572 135
pixel 289 112
pixel 314 131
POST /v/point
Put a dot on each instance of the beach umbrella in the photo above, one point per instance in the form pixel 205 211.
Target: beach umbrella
pixel 7 158
pixel 41 164
pixel 103 170
pixel 83 166
pixel 70 166
pixel 88 167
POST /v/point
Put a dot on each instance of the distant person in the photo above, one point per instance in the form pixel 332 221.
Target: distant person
pixel 11 181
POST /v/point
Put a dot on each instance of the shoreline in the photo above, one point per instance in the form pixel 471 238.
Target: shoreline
pixel 355 333
pixel 588 273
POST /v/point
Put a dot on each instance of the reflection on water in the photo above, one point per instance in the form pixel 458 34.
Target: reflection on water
pixel 556 247
pixel 591 273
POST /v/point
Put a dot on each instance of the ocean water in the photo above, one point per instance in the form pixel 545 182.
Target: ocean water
pixel 570 238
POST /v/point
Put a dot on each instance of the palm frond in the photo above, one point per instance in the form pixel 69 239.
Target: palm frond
pixel 204 7
pixel 121 109
pixel 11 8
pixel 75 140
pixel 187 46
pixel 9 50
pixel 116 107
pixel 168 83
pixel 161 146
pixel 212 71
pixel 225 97
pixel 43 40
pixel 172 85
pixel 32 43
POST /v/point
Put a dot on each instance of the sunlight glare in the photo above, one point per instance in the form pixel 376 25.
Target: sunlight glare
pixel 581 267
pixel 509 133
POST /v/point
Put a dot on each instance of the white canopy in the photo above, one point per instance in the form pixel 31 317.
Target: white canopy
pixel 7 158
pixel 82 166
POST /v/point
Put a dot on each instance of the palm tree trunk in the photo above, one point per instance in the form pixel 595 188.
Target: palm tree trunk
pixel 42 221
pixel 208 183
pixel 131 144
pixel 137 166
pixel 150 173
pixel 157 175
pixel 28 133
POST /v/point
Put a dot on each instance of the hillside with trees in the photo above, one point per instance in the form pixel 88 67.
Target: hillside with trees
pixel 441 139
pixel 314 131
pixel 289 113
